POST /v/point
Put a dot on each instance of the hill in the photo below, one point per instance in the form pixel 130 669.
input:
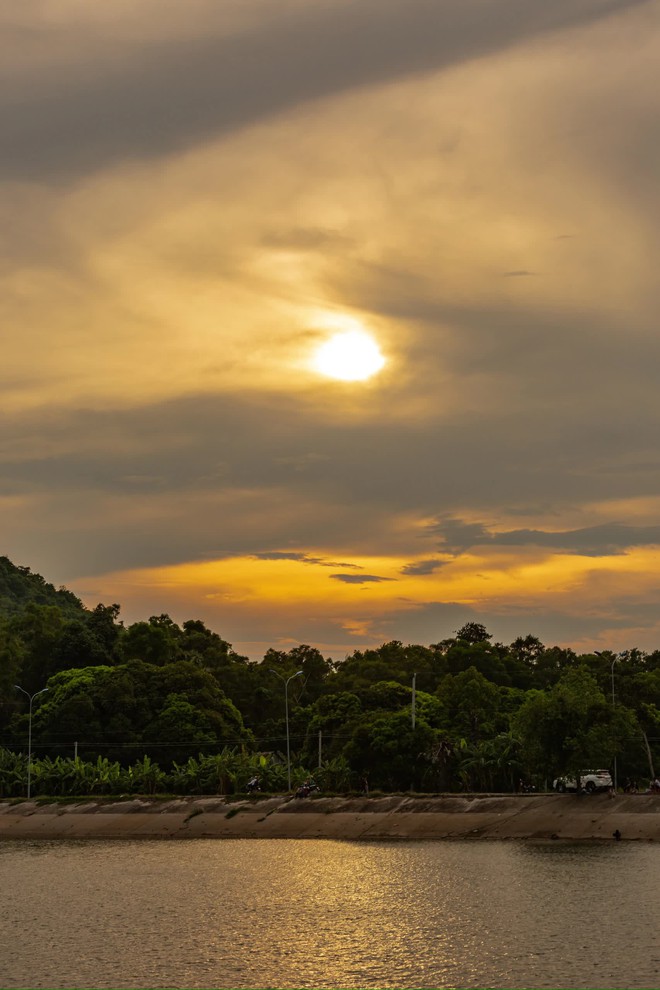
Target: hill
pixel 19 587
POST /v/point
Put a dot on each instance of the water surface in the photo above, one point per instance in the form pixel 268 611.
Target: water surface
pixel 307 913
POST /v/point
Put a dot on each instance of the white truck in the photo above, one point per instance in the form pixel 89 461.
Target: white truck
pixel 591 781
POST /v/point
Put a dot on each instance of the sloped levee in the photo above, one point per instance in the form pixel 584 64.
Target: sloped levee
pixel 532 817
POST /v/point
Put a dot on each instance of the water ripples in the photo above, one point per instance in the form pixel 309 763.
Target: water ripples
pixel 307 913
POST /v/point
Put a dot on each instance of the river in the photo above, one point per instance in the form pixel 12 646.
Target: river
pixel 307 913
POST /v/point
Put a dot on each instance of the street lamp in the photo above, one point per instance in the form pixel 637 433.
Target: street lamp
pixel 413 699
pixel 615 660
pixel 286 709
pixel 31 697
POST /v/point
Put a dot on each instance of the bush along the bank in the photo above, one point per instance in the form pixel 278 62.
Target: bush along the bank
pixel 224 773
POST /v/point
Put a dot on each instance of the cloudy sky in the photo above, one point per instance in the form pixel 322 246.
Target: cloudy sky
pixel 196 197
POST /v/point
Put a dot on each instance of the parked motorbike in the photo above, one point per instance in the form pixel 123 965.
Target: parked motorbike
pixel 309 787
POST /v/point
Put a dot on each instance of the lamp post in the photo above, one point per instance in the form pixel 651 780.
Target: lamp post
pixel 599 653
pixel 286 709
pixel 31 697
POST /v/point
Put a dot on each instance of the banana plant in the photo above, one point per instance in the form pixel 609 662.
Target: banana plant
pixel 13 773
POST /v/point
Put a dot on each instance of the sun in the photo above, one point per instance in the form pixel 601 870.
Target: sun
pixel 351 356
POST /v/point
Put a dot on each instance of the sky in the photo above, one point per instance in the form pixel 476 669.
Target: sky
pixel 196 197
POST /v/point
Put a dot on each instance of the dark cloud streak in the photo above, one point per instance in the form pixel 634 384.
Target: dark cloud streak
pixel 360 578
pixel 302 558
pixel 423 567
pixel 589 541
pixel 142 101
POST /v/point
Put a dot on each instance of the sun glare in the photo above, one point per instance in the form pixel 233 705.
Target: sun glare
pixel 351 356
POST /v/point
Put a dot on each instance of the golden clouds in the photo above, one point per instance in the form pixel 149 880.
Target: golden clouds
pixel 202 274
pixel 355 594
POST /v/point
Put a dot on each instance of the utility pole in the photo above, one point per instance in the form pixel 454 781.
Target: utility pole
pixel 613 709
pixel 414 678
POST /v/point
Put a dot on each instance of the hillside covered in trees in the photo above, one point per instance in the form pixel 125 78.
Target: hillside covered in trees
pixel 486 714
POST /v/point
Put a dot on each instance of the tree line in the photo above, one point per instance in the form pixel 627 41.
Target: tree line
pixel 486 714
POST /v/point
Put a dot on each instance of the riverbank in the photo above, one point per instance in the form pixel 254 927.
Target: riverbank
pixel 532 817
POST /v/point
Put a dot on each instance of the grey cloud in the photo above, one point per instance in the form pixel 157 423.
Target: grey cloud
pixel 590 541
pixel 359 578
pixel 458 536
pixel 137 101
pixel 596 541
pixel 542 507
pixel 603 363
pixel 303 558
pixel 518 274
pixel 190 455
pixel 423 567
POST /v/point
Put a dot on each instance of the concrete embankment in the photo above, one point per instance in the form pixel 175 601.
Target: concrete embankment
pixel 537 816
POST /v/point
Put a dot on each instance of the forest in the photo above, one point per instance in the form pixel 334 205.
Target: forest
pixel 158 707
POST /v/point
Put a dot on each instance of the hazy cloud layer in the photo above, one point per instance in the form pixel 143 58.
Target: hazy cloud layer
pixel 194 197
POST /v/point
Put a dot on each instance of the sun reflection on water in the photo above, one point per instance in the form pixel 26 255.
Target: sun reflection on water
pixel 312 913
